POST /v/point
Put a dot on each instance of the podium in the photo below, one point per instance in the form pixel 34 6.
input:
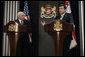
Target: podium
pixel 58 30
pixel 14 32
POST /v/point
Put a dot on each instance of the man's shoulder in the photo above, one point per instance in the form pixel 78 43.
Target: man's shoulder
pixel 26 21
pixel 17 21
pixel 68 14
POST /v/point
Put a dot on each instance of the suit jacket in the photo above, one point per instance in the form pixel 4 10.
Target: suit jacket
pixel 25 22
pixel 67 17
pixel 23 46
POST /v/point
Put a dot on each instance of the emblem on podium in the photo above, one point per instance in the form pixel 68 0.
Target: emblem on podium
pixel 57 26
pixel 11 27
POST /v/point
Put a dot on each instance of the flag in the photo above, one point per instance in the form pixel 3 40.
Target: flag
pixel 73 41
pixel 27 17
pixel 68 10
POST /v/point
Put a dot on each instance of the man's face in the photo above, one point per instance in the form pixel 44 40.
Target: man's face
pixel 22 16
pixel 61 9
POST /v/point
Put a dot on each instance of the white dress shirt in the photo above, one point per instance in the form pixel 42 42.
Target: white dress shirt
pixel 21 22
pixel 61 18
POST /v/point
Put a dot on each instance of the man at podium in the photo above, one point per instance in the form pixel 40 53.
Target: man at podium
pixel 67 18
pixel 23 45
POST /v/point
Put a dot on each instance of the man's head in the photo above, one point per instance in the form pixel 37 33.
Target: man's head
pixel 21 15
pixel 62 8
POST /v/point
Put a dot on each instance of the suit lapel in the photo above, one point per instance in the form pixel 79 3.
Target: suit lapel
pixel 64 17
pixel 18 22
pixel 23 22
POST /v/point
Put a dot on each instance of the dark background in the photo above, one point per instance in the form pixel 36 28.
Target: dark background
pixel 46 42
pixel 1 25
pixel 34 14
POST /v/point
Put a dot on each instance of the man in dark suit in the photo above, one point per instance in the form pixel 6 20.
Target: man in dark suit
pixel 23 46
pixel 67 18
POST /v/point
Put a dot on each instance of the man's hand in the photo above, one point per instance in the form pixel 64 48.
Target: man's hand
pixel 43 23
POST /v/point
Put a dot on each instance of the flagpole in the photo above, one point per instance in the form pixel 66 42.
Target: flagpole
pixel 81 24
pixel 27 17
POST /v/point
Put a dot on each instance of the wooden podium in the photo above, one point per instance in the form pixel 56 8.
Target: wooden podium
pixel 58 30
pixel 14 32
